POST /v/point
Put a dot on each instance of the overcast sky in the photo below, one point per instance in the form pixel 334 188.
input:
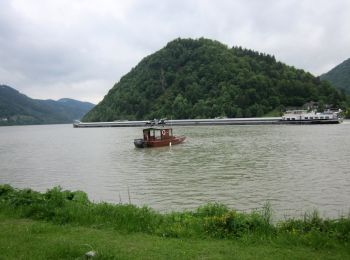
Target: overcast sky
pixel 50 49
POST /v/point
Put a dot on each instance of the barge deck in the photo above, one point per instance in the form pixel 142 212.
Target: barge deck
pixel 206 122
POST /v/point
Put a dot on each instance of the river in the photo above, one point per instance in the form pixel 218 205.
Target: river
pixel 296 168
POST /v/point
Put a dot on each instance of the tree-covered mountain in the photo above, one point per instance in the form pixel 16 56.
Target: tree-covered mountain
pixel 206 79
pixel 339 76
pixel 77 109
pixel 18 109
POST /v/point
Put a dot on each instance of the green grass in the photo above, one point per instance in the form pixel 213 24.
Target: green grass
pixel 32 239
pixel 64 224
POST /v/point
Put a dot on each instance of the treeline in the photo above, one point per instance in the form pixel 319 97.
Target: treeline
pixel 206 79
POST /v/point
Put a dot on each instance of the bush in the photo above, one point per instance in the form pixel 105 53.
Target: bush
pixel 312 224
pixel 235 224
pixel 211 220
pixel 211 209
pixel 5 190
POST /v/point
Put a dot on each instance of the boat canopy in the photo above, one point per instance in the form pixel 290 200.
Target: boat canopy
pixel 157 133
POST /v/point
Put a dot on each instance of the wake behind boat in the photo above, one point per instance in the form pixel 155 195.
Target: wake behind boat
pixel 158 137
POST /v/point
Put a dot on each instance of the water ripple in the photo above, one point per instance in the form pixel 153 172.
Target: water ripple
pixel 296 168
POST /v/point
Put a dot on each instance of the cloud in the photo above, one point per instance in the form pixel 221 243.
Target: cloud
pixel 79 49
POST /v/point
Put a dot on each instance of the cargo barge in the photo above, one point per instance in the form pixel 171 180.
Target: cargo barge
pixel 290 117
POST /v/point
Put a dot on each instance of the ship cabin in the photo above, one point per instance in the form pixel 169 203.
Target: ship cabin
pixel 301 115
pixel 152 134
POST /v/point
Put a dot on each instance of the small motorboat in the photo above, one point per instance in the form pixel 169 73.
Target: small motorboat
pixel 158 137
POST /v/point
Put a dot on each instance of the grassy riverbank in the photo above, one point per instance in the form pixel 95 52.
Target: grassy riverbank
pixel 64 224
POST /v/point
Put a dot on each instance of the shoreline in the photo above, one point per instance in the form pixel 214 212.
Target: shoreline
pixel 65 224
pixel 17 200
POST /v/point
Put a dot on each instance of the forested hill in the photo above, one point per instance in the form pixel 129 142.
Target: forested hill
pixel 206 79
pixel 18 109
pixel 339 76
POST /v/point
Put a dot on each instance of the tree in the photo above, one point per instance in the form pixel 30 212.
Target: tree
pixel 181 107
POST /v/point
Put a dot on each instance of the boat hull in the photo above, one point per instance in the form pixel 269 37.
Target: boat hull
pixel 140 143
pixel 314 121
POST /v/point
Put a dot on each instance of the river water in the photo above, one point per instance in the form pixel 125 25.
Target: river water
pixel 296 168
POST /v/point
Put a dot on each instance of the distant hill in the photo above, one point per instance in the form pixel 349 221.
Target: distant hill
pixel 339 76
pixel 18 109
pixel 206 79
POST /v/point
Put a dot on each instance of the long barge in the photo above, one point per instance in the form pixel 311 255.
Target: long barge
pixel 206 122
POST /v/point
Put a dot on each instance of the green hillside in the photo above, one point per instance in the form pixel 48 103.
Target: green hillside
pixel 18 109
pixel 206 79
pixel 339 76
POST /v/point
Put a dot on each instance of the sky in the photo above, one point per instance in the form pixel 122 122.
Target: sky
pixel 52 49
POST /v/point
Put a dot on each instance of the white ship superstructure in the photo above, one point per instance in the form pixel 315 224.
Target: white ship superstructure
pixel 313 116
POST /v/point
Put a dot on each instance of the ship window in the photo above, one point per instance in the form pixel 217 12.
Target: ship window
pixel 293 118
pixel 327 117
pixel 306 117
pixel 288 118
pixel 321 117
pixel 311 117
pixel 316 117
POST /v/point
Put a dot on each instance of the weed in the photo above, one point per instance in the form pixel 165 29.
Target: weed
pixel 211 220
